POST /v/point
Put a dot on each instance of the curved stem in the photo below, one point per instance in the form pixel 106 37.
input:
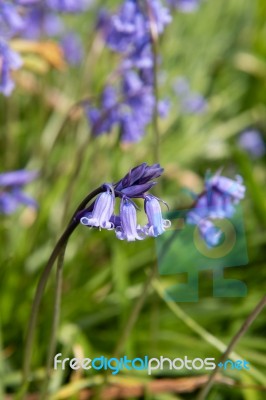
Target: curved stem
pixel 55 322
pixel 61 244
pixel 259 307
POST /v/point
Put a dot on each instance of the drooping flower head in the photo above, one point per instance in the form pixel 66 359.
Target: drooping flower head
pixel 11 190
pixel 191 102
pixel 135 185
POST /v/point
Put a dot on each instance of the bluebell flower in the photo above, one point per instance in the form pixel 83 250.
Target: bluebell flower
pixel 135 184
pixel 11 190
pixel 102 211
pixel 252 142
pixel 129 230
pixel 9 60
pixel 186 6
pixel 218 201
pixel 11 22
pixel 72 48
pixel 156 224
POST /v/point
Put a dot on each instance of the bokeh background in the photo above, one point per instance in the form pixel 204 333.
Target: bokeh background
pixel 220 49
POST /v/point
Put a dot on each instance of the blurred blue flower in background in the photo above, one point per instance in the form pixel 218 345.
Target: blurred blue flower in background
pixel 11 190
pixel 185 5
pixel 72 48
pixel 11 22
pixel 9 60
pixel 40 21
pixel 252 142
pixel 191 102
pixel 131 108
pixel 217 201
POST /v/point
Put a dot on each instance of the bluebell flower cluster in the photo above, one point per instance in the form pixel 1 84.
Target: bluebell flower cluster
pixel 32 19
pixel 11 190
pixel 218 201
pixel 135 185
pixel 129 33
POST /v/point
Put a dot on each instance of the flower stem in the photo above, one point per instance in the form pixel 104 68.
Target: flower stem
pixel 59 247
pixel 55 322
pixel 250 319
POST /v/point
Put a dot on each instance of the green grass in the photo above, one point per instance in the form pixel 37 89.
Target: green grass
pixel 103 277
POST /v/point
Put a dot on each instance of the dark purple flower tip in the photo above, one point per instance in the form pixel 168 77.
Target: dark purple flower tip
pixel 137 190
pixel 139 175
pixel 17 178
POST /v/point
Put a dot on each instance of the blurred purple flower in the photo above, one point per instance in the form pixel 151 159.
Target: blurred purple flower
pixel 11 190
pixel 72 48
pixel 68 6
pixel 192 103
pixel 218 201
pixel 39 21
pixel 11 22
pixel 186 6
pixel 252 141
pixel 9 60
pixel 160 14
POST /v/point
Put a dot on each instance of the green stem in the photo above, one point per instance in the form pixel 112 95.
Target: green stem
pixel 205 335
pixel 55 322
pixel 61 244
pixel 250 319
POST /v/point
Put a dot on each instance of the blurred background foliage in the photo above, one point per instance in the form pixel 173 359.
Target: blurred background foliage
pixel 221 50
